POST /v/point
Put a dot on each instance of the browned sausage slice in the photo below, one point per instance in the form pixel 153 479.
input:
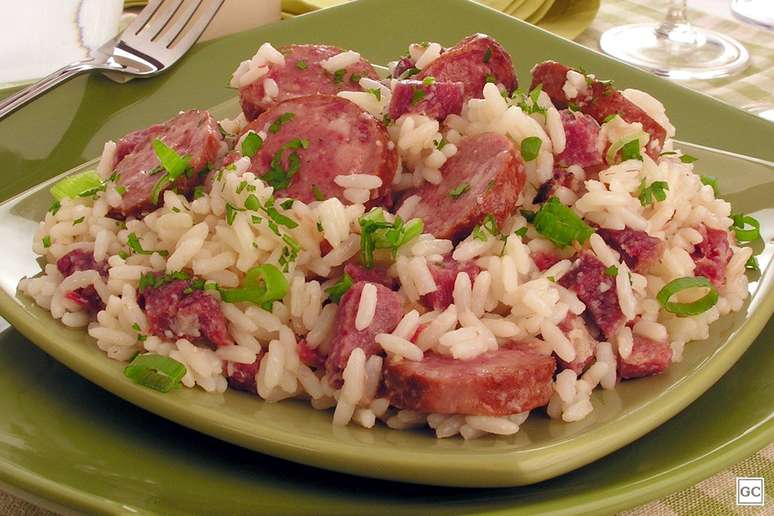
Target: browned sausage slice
pixel 193 133
pixel 600 101
pixel 338 138
pixel 497 383
pixel 474 61
pixel 303 75
pixel 489 169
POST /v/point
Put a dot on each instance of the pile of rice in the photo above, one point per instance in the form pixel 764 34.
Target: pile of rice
pixel 509 299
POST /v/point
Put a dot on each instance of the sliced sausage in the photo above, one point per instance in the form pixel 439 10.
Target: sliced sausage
pixel 599 99
pixel 81 260
pixel 193 133
pixel 581 132
pixel 474 61
pixel 497 383
pixel 590 281
pixel 176 310
pixel 712 254
pixel 375 274
pixel 639 250
pixel 388 314
pixel 242 376
pixel 339 139
pixel 435 99
pixel 490 170
pixel 648 357
pixel 444 275
pixel 302 75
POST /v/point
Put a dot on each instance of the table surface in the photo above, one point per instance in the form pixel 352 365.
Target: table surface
pixel 715 494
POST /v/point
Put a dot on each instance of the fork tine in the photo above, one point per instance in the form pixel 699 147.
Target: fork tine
pixel 142 17
pixel 179 25
pixel 162 17
pixel 207 13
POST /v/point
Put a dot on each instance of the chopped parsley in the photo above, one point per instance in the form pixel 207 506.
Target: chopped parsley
pixel 355 78
pixel 417 96
pixel 338 289
pixel 648 195
pixel 612 271
pixel 530 147
pixel 338 76
pixel 711 181
pixel 251 144
pixel 152 280
pixel 409 72
pixel 377 233
pixel 572 106
pixel 317 193
pixel 687 158
pixel 428 81
pixel 631 150
pixel 488 55
pixel 198 192
pixel 459 190
pixel 231 212
pixel 489 224
pixel 47 241
pixel 376 92
pixel 136 246
pixel 279 121
pixel 278 176
pixel 491 78
pixel 608 118
pixel 287 204
pixel 120 190
pixel 301 64
pixel 78 220
pixel 55 207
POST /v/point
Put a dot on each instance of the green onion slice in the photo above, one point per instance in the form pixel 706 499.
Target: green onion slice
pixel 251 144
pixel 617 146
pixel 743 233
pixel 687 309
pixel 77 184
pixel 155 371
pixel 262 285
pixel 560 224
pixel 530 147
pixel 711 181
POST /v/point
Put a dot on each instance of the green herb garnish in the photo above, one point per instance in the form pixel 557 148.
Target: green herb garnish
pixel 136 246
pixel 560 224
pixel 530 147
pixel 687 309
pixel 155 371
pixel 338 289
pixel 457 191
pixel 650 194
pixel 251 144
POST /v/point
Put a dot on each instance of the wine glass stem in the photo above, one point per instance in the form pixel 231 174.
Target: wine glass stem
pixel 677 30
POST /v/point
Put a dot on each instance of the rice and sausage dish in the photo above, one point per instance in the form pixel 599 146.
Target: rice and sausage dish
pixel 438 248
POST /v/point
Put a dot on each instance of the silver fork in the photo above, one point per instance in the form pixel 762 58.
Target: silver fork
pixel 153 42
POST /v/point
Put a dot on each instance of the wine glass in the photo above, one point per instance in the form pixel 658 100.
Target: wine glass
pixel 676 49
pixel 755 11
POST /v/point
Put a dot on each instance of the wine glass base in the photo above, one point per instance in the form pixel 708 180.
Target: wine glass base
pixel 759 12
pixel 684 52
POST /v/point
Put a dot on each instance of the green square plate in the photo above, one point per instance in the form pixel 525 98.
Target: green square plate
pixel 69 125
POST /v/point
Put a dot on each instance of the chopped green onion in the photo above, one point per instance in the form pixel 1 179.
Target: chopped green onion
pixel 301 64
pixel 572 106
pixel 120 190
pixel 530 147
pixel 386 120
pixel 339 288
pixel 711 181
pixel 409 72
pixel 355 78
pixel 490 224
pixel 338 76
pixel 678 285
pixel 687 158
pixel 123 254
pixel 528 215
pixel 428 81
pixel 752 264
pixel 278 176
pixel 457 191
pixel 280 219
pixel 521 232
pixel 252 203
pixel 155 371
pixel 491 78
pixel 417 96
pixel 488 55
pixel 231 212
pixel 175 164
pixel 478 233
pixel 77 184
pixel 440 144
pixel 262 285
pixel 251 144
pixel 277 124
pixel 650 194
pixel 560 224
pixel 136 246
pixel 78 220
pixel 317 193
pixel 608 118
pixel 47 241
pixel 55 207
pixel 740 224
pixel 612 271
pixel 287 204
